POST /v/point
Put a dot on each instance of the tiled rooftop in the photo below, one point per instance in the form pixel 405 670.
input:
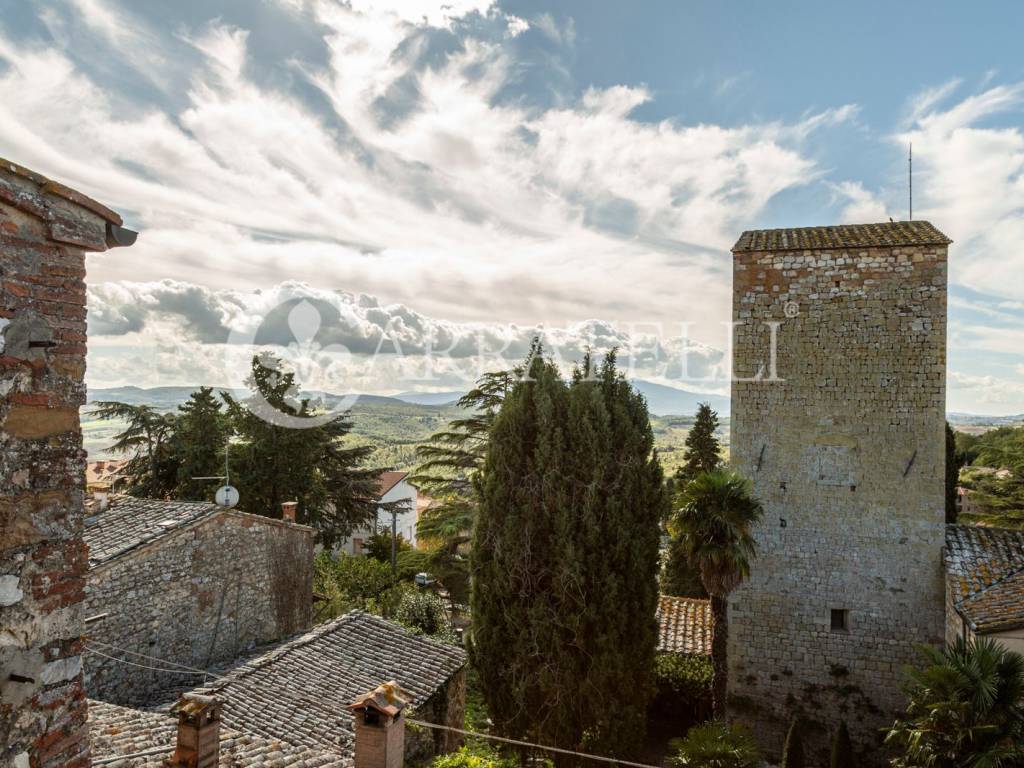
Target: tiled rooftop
pixel 885 235
pixel 117 732
pixel 299 689
pixel 684 625
pixel 129 523
pixel 985 567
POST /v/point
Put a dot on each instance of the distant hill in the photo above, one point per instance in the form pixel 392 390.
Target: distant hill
pixel 429 398
pixel 669 401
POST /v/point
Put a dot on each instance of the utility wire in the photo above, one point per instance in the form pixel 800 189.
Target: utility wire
pixel 145 656
pixel 518 743
pixel 94 652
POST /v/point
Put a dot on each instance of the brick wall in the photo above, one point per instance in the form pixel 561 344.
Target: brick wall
pixel 45 230
pixel 196 597
pixel 847 456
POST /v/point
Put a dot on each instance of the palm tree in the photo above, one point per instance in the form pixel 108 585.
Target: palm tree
pixel 965 709
pixel 713 529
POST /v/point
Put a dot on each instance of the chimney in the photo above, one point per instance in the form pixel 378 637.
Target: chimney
pixel 288 510
pixel 379 724
pixel 198 732
pixel 101 501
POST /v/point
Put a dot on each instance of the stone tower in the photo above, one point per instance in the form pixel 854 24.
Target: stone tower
pixel 838 417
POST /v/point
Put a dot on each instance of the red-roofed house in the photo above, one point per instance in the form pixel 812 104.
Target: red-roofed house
pixel 391 487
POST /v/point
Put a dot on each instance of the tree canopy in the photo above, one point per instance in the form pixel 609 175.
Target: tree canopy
pixel 305 458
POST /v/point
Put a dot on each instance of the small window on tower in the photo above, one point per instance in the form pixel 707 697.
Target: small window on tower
pixel 840 620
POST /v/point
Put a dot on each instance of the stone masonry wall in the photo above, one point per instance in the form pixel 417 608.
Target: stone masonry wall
pixel 199 596
pixel 847 456
pixel 44 231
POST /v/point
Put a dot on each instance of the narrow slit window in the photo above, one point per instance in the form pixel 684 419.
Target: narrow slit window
pixel 840 620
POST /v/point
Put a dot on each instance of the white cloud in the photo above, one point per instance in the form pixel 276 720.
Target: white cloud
pixel 341 341
pixel 968 166
pixel 415 181
pixel 863 206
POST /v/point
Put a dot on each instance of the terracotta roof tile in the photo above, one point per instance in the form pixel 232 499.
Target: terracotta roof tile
pixel 885 235
pixel 299 690
pixel 117 732
pixel 388 480
pixel 684 625
pixel 985 570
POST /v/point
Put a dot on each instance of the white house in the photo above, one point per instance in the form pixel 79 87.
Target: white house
pixel 391 487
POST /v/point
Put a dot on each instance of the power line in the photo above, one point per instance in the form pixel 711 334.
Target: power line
pixel 145 656
pixel 94 652
pixel 519 743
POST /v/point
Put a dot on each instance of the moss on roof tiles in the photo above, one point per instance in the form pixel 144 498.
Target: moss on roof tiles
pixel 845 236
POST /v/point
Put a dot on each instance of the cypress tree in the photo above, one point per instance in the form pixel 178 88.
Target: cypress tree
pixel 842 749
pixel 702 448
pixel 564 560
pixel 793 751
pixel 954 461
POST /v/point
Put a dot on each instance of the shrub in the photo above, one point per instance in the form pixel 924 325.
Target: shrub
pixel 715 745
pixel 842 749
pixel 474 757
pixel 349 582
pixel 687 677
pixel 378 546
pixel 793 750
pixel 423 613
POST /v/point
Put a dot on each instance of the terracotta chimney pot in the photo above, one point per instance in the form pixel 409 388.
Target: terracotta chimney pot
pixel 288 510
pixel 198 732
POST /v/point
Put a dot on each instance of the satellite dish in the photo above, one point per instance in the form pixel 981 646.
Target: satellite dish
pixel 227 496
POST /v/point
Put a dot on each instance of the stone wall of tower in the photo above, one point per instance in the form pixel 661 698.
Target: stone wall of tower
pixel 45 230
pixel 846 452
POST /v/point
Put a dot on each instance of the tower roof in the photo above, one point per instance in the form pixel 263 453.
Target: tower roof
pixel 885 235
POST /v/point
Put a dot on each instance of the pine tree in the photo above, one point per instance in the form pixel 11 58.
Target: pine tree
pixel 563 602
pixel 274 463
pixel 149 441
pixel 200 439
pixel 793 750
pixel 702 448
pixel 842 749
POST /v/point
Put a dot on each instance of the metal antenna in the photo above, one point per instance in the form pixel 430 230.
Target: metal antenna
pixel 910 179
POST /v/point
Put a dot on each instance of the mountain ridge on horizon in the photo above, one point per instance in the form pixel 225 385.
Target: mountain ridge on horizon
pixel 662 400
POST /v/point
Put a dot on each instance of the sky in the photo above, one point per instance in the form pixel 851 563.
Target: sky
pixel 400 194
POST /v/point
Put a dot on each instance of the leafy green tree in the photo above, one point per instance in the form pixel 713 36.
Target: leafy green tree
pixel 714 530
pixel 842 749
pixel 563 603
pixel 378 546
pixel 793 749
pixel 149 440
pixel 309 463
pixel 344 582
pixel 998 497
pixel 202 434
pixel 448 464
pixel 703 453
pixel 965 709
pixel 715 745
